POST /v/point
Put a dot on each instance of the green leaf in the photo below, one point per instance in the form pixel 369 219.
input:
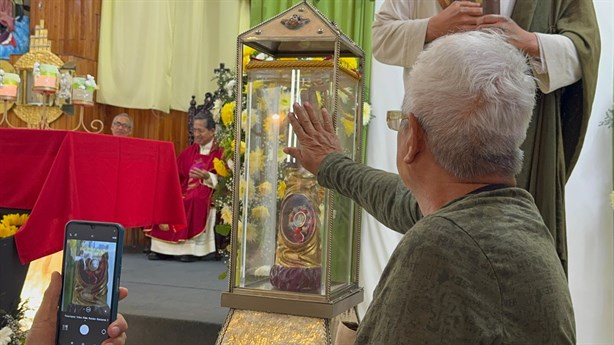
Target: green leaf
pixel 223 229
pixel 222 275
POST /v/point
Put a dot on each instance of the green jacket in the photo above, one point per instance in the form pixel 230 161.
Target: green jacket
pixel 481 270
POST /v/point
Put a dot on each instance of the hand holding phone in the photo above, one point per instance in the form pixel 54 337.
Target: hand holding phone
pixel 44 325
pixel 90 285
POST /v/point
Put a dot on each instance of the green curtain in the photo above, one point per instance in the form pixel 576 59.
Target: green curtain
pixel 354 17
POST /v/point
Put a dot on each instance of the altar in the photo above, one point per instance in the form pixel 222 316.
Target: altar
pixel 63 175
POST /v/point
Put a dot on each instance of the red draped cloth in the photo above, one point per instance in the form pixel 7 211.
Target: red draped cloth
pixel 196 196
pixel 63 175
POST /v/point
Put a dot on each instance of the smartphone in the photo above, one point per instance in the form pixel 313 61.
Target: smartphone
pixel 90 282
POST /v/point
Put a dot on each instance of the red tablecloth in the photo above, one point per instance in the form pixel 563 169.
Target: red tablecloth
pixel 62 175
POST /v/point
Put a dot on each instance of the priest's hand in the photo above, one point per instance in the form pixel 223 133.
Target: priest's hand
pixel 316 137
pixel 459 16
pixel 199 173
pixel 43 331
pixel 514 34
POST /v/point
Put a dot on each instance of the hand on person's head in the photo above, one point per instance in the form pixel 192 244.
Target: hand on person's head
pixel 44 325
pixel 514 34
pixel 459 16
pixel 316 137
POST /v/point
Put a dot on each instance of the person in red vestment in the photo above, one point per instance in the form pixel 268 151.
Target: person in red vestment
pixel 198 180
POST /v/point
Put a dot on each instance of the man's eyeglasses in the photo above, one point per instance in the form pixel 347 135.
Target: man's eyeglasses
pixel 122 125
pixel 394 119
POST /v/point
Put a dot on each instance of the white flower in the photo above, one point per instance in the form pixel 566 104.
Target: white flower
pixel 37 69
pixel 366 113
pixel 231 164
pixel 5 335
pixel 89 81
pixel 217 104
pixel 230 85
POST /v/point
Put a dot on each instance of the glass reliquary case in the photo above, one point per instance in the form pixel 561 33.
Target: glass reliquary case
pixel 294 244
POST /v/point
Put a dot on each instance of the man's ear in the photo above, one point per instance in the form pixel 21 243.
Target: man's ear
pixel 415 139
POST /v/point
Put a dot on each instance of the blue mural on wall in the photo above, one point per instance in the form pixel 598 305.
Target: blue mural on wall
pixel 14 27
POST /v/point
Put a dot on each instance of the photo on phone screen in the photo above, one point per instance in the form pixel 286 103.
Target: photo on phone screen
pixel 90 281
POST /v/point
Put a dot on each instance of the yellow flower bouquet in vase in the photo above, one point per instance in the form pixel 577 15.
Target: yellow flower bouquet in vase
pixel 12 271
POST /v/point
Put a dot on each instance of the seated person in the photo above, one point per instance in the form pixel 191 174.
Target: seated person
pixel 198 180
pixel 122 125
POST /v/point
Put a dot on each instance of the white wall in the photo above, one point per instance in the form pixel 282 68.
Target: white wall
pixel 589 215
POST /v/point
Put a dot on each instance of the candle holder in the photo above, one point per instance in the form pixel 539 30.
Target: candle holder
pixel 9 84
pixel 83 89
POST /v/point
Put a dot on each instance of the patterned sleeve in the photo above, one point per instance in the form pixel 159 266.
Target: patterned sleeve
pixel 380 193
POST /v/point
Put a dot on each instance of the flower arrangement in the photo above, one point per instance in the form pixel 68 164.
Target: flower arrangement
pixel 10 224
pixel 11 330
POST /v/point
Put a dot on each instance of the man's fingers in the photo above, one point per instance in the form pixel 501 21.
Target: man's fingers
pixel 123 293
pixel 491 19
pixel 303 118
pixel 313 117
pixel 292 151
pixel 472 11
pixel 296 125
pixel 117 327
pixel 327 121
pixel 51 297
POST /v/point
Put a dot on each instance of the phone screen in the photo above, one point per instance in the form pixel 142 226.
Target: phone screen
pixel 91 269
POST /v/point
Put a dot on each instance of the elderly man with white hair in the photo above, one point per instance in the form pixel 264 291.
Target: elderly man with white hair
pixel 476 264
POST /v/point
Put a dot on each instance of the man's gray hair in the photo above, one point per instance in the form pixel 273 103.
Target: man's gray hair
pixel 130 122
pixel 473 94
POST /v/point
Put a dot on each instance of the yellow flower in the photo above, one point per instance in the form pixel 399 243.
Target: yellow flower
pixel 11 223
pixel 284 102
pixel 267 127
pixel 226 215
pixel 349 63
pixel 265 188
pixel 228 113
pixel 241 148
pixel 244 120
pixel 6 231
pixel 281 189
pixel 260 213
pixel 247 54
pixel 256 161
pixel 348 126
pixel 220 167
pixel 251 233
pixel 251 189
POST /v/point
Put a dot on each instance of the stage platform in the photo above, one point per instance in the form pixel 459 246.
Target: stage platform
pixel 171 302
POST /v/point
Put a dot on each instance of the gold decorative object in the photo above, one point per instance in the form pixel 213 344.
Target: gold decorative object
pixel 294 254
pixel 96 124
pixel 39 109
pixel 36 108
